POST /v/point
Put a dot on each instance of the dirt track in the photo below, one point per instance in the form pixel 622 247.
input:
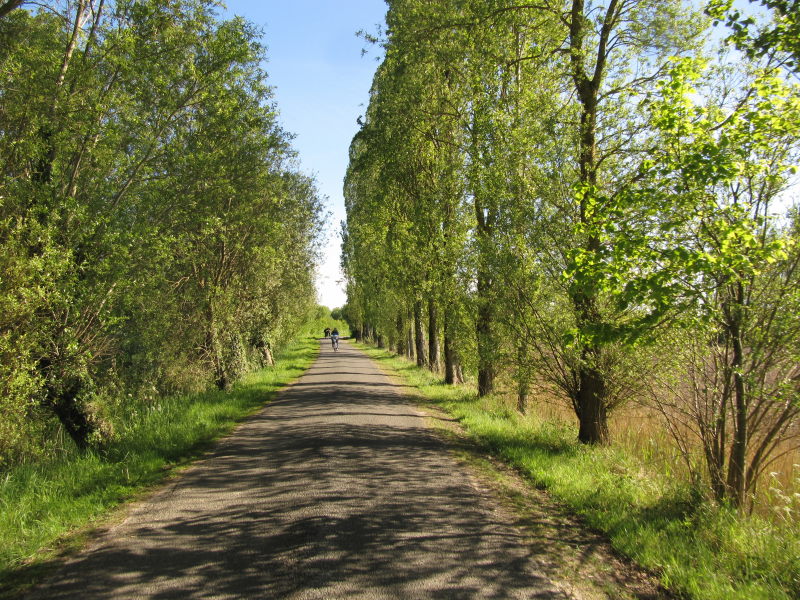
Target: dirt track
pixel 335 490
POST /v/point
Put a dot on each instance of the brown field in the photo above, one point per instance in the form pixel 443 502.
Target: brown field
pixel 641 431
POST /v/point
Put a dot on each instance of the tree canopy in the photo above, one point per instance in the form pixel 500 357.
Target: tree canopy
pixel 580 187
pixel 156 233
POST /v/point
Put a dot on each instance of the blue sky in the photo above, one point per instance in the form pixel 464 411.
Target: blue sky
pixel 321 86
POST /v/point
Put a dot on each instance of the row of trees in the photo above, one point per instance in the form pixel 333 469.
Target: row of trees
pixel 156 235
pixel 589 200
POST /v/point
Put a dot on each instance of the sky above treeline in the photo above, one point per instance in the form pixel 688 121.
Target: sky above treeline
pixel 321 83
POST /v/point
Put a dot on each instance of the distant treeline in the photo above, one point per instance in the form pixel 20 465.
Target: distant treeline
pixel 591 202
pixel 155 233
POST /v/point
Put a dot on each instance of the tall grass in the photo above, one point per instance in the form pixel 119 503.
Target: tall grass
pixel 642 502
pixel 42 506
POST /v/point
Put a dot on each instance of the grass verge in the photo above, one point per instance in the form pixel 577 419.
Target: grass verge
pixel 47 509
pixel 700 551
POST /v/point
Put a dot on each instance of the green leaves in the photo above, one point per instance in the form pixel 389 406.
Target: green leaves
pixel 570 185
pixel 762 35
pixel 149 215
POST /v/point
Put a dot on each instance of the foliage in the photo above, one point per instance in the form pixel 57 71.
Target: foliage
pixel 759 34
pixel 575 186
pixel 156 234
pixel 518 113
pixel 723 170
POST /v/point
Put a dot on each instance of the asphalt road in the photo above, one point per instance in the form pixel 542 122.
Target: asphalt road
pixel 335 490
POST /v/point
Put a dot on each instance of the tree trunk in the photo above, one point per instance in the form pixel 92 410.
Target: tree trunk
pixel 419 335
pixel 221 379
pixel 214 349
pixel 75 420
pixel 267 359
pixel 61 396
pixel 591 405
pixel 523 381
pixel 434 352
pixel 485 219
pixel 9 5
pixel 592 417
pixel 452 368
pixel 62 388
pixel 591 397
pixel 716 468
pixel 408 331
pixel 484 327
pixel 738 456
pixel 486 380
pixel 44 169
pixel 486 350
pixel 522 399
pixel 401 336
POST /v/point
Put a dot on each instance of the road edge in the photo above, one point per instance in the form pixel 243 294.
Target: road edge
pixel 606 575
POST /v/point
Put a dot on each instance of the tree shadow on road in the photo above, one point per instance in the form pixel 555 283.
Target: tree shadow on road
pixel 333 491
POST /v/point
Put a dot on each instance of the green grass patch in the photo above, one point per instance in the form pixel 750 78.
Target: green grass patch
pixel 700 551
pixel 44 507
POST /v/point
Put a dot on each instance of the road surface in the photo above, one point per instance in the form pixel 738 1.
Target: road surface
pixel 335 490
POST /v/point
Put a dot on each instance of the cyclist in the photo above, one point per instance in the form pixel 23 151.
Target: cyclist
pixel 335 338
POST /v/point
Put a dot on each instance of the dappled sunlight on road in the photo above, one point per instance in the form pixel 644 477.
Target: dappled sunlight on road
pixel 336 490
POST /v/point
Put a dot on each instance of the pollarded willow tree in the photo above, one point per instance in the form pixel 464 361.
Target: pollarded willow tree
pixel 153 225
